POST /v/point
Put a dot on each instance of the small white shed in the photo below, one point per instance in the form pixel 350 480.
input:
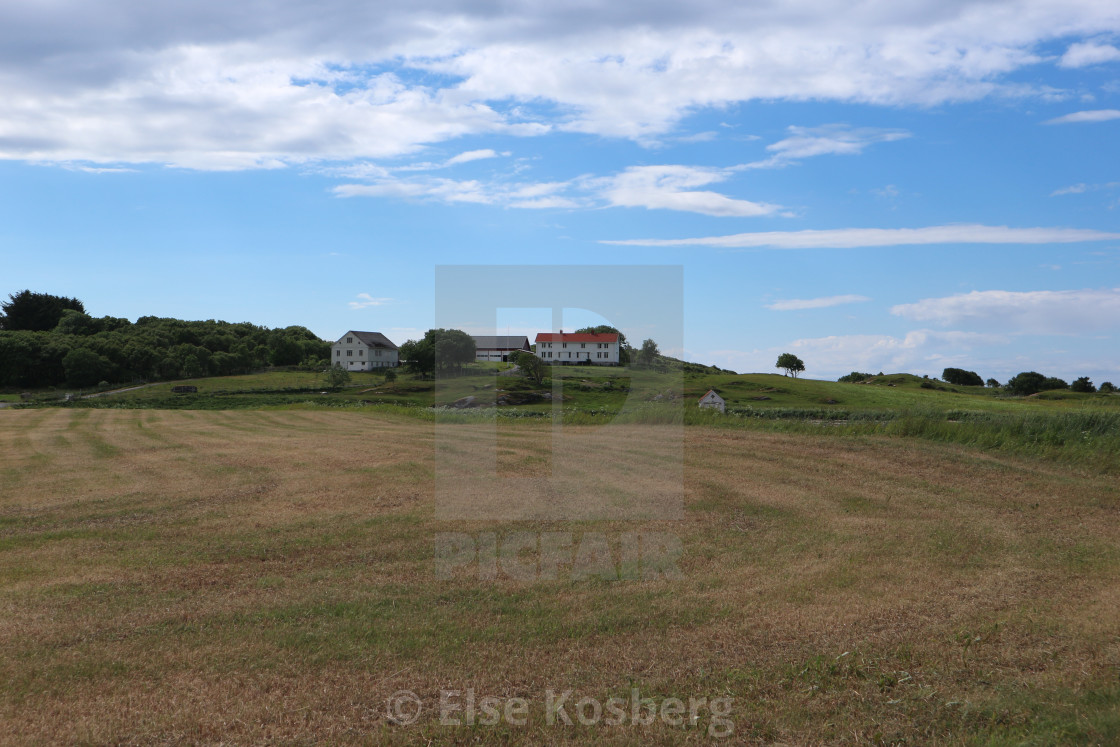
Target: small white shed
pixel 713 400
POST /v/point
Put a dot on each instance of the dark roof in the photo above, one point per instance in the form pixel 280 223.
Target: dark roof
pixel 501 342
pixel 373 339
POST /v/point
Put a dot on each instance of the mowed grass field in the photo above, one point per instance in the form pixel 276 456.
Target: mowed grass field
pixel 269 577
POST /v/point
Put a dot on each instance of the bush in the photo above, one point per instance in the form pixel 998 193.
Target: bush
pixel 855 377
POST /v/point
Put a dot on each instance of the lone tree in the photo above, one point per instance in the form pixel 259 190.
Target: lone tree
pixel 1107 387
pixel 36 312
pixel 960 377
pixel 993 383
pixel 649 353
pixel 530 366
pixel 1026 383
pixel 791 363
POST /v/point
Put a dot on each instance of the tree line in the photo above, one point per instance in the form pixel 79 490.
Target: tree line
pixel 48 340
pixel 1023 384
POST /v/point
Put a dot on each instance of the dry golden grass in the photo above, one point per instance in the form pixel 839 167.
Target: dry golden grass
pixel 268 577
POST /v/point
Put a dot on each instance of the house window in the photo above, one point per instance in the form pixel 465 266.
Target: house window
pixel 359 352
pixel 583 344
pixel 377 353
pixel 338 354
pixel 564 344
pixel 349 353
pixel 349 340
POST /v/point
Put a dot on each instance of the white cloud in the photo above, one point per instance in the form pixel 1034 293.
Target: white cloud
pixel 1093 115
pixel 365 301
pixel 834 139
pixel 850 238
pixel 801 304
pixel 473 155
pixel 1088 53
pixel 1031 312
pixel 441 190
pixel 211 85
pixel 671 188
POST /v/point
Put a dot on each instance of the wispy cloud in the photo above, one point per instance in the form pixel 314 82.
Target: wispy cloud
pixel 474 155
pixel 669 187
pixel 1082 54
pixel 673 188
pixel 1081 188
pixel 851 238
pixel 1092 115
pixel 1029 312
pixel 833 139
pixel 801 304
pixel 365 301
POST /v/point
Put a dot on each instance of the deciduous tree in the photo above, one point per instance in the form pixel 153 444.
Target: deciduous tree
pixel 790 363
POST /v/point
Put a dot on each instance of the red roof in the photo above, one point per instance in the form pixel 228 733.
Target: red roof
pixel 573 337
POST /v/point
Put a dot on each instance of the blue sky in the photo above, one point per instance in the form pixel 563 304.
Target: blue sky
pixel 870 186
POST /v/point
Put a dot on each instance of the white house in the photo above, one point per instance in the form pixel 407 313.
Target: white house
pixel 713 401
pixel 364 351
pixel 560 348
pixel 498 347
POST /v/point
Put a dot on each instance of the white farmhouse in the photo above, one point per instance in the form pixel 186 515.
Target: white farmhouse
pixel 601 349
pixel 713 401
pixel 364 351
pixel 499 347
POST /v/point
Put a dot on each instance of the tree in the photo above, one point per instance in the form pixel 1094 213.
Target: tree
pixel 1107 387
pixel 1053 382
pixel 84 367
pixel 36 312
pixel 855 377
pixel 390 375
pixel 530 366
pixel 648 354
pixel 1026 383
pixel 993 383
pixel 960 377
pixel 442 349
pixel 454 349
pixel 791 363
pixel 337 376
pixel 1083 385
pixel 74 322
pixel 623 346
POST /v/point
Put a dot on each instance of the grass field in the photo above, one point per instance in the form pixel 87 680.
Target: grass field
pixel 268 576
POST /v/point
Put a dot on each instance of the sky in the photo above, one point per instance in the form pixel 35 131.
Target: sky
pixel 872 186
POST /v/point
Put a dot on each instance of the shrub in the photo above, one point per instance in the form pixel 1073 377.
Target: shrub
pixel 855 376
